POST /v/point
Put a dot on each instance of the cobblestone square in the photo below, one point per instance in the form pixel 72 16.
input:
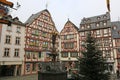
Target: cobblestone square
pixel 27 77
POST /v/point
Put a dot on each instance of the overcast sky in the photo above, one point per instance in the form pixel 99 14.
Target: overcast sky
pixel 61 10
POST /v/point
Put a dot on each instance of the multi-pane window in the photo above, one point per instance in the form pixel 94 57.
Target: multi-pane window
pixel 104 23
pixel 8 39
pixel 45 44
pixel 107 53
pixel 35 32
pixel 6 52
pixel 46 18
pixel 98 32
pixel 39 55
pixel 64 54
pixel 70 36
pixel 16 53
pixel 82 34
pixel 114 27
pixel 40 24
pixel 105 31
pixel 97 24
pixel 34 42
pixel 99 41
pixel 82 27
pixel 88 26
pixel 17 41
pixel 9 28
pixel 18 29
pixel 106 42
pixel 34 55
pixel 34 67
pixel 44 34
pixel 69 45
pixel 28 55
pixel 73 54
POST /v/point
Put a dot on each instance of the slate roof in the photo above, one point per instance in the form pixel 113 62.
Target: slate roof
pixel 95 18
pixel 92 21
pixel 34 16
pixel 115 32
pixel 8 19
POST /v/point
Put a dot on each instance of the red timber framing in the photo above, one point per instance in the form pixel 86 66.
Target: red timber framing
pixel 100 28
pixel 69 44
pixel 38 40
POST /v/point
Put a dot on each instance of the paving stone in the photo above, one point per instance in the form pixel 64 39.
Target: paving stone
pixel 27 77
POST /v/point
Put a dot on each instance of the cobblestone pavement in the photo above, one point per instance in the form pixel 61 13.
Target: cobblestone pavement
pixel 28 77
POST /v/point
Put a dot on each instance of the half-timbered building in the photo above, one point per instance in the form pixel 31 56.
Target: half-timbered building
pixel 69 45
pixel 100 28
pixel 38 44
pixel 116 43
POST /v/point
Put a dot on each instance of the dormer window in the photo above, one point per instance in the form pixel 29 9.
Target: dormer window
pixel 104 23
pixel 16 19
pixel 98 18
pixel 84 20
pixel 88 20
pixel 114 27
pixel 88 26
pixel 97 24
pixel 104 16
pixel 82 26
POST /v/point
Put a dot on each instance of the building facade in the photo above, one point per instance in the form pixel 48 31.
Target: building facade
pixel 12 37
pixel 38 44
pixel 69 41
pixel 116 43
pixel 100 28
